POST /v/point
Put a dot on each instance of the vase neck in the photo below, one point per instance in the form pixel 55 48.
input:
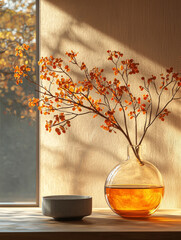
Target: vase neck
pixel 134 153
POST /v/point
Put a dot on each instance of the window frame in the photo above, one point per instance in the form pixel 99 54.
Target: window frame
pixel 37 202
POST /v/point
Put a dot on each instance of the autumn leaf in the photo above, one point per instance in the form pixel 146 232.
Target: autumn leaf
pixel 13 34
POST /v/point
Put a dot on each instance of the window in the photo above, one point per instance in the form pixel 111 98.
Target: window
pixel 18 124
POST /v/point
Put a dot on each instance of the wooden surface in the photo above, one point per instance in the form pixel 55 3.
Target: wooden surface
pixel 18 223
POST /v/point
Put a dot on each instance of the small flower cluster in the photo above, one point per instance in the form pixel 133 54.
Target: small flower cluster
pixel 20 49
pixel 163 114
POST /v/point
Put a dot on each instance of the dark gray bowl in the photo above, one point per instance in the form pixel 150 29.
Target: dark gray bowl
pixel 67 207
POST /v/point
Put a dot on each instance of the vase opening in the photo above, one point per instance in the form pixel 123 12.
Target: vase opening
pixel 134 153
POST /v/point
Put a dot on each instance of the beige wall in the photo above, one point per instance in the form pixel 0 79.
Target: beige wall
pixel 146 30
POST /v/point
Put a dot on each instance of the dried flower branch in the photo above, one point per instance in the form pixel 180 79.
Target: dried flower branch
pixel 69 99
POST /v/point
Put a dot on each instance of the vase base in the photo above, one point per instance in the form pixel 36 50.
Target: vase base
pixel 134 214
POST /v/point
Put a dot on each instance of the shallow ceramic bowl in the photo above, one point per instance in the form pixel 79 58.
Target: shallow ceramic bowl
pixel 67 207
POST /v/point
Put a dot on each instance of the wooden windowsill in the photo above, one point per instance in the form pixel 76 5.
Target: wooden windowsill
pixel 29 223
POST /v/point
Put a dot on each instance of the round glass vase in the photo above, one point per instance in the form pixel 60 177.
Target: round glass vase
pixel 134 188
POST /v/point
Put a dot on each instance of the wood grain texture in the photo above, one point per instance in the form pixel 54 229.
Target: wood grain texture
pixel 16 220
pixel 149 32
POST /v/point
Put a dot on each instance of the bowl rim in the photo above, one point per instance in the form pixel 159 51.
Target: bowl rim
pixel 66 197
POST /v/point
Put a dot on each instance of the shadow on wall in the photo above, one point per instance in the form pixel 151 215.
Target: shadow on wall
pixel 141 25
pixel 151 28
pixel 82 165
pixel 145 30
pixel 78 170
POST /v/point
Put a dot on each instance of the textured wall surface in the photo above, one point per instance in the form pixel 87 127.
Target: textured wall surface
pixel 149 32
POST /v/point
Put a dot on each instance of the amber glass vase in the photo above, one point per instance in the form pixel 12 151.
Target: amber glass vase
pixel 134 188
